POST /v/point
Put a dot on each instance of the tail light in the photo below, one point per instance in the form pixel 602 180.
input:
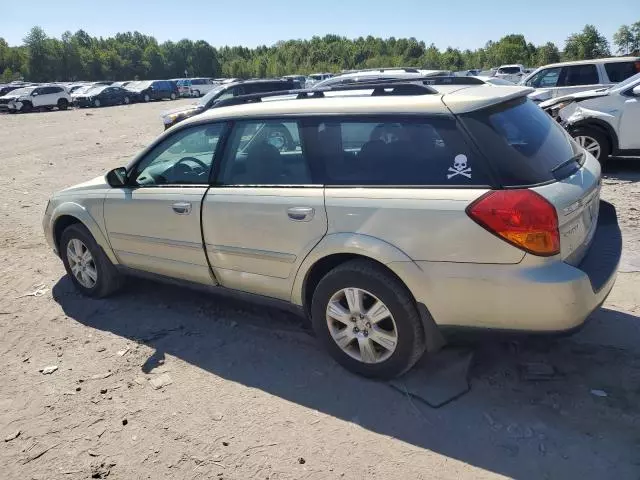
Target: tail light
pixel 521 217
pixel 637 64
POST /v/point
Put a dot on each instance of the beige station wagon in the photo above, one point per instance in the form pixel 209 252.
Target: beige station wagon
pixel 386 213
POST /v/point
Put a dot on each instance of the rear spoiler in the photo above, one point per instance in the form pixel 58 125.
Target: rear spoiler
pixel 471 99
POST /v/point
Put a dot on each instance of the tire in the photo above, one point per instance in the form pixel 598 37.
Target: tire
pixel 146 98
pixel 382 286
pixel 26 107
pixel 96 103
pixel 63 104
pixel 172 96
pixel 107 281
pixel 196 93
pixel 587 136
pixel 126 100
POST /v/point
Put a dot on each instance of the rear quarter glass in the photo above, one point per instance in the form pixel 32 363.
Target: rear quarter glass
pixel 523 145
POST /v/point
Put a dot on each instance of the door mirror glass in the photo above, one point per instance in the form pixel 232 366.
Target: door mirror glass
pixel 34 94
pixel 117 177
pixel 636 90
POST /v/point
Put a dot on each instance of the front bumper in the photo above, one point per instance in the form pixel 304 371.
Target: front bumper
pixel 14 106
pixel 535 296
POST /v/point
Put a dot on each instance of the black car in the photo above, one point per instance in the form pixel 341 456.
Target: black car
pixel 4 89
pixel 149 90
pixel 102 95
pixel 223 91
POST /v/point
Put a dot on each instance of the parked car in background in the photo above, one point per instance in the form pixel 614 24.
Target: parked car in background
pixel 299 80
pixel 195 87
pixel 334 226
pixel 605 121
pixel 512 73
pixel 4 89
pixel 221 92
pixel 375 74
pixel 560 79
pixel 42 97
pixel 494 80
pixel 148 90
pixel 122 84
pixel 104 95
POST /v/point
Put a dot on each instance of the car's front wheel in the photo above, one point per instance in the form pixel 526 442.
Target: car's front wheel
pixel 63 104
pixel 172 96
pixel 126 100
pixel 146 97
pixel 90 269
pixel 594 141
pixel 96 103
pixel 367 320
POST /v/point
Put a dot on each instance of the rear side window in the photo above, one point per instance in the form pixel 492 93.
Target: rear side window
pixel 579 75
pixel 619 71
pixel 524 145
pixel 390 151
pixel 509 70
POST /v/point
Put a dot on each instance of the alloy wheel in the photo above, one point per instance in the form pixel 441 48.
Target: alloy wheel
pixel 361 325
pixel 590 144
pixel 81 263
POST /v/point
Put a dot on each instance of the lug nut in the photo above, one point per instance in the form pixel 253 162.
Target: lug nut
pixel 365 333
pixel 353 319
pixel 361 316
pixel 356 329
pixel 368 325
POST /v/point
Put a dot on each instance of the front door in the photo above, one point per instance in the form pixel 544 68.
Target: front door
pixel 153 224
pixel 266 212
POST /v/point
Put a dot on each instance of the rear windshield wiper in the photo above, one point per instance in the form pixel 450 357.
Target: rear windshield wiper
pixel 575 159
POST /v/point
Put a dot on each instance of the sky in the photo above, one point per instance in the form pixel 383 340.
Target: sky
pixel 459 24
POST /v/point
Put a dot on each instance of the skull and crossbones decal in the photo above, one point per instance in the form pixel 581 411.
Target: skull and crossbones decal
pixel 459 167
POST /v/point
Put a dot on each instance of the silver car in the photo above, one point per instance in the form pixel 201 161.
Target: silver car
pixel 389 218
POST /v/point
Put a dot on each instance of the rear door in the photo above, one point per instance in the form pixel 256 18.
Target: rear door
pixel 578 78
pixel 265 212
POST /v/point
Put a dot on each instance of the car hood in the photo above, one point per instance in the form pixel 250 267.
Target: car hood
pixel 8 97
pixel 97 184
pixel 584 95
pixel 187 111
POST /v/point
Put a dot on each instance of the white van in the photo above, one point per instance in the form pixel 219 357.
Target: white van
pixel 559 79
pixel 195 87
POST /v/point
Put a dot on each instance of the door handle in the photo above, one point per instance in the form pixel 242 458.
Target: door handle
pixel 300 214
pixel 181 208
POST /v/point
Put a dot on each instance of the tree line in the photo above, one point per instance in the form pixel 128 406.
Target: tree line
pixel 127 56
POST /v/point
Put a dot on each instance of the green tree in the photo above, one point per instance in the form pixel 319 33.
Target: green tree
pixel 39 55
pixel 586 45
pixel 623 40
pixel 546 54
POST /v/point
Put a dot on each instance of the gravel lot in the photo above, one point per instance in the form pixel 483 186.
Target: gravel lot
pixel 243 392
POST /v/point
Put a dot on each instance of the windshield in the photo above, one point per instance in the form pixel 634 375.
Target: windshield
pixel 21 91
pixel 210 96
pixel 96 89
pixel 138 85
pixel 509 70
pixel 83 89
pixel 627 82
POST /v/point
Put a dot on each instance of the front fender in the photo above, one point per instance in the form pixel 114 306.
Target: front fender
pixel 80 212
pixel 349 243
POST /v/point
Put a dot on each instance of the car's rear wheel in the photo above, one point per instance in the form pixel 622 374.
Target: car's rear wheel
pixel 126 100
pixel 594 141
pixel 90 269
pixel 172 96
pixel 367 320
pixel 63 104
pixel 96 102
pixel 196 93
pixel 146 97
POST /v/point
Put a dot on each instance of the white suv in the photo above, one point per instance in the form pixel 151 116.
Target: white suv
pixel 512 73
pixel 559 79
pixel 603 121
pixel 43 97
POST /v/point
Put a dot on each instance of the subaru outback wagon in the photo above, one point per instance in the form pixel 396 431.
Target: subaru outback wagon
pixel 397 214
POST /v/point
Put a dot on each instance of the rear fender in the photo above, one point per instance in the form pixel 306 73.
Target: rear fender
pixel 347 243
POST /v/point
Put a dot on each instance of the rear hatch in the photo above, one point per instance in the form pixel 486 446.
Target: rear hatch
pixel 527 149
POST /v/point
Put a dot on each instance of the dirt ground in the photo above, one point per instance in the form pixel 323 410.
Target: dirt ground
pixel 244 392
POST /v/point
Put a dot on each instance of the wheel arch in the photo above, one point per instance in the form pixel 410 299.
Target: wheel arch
pixel 601 125
pixel 71 213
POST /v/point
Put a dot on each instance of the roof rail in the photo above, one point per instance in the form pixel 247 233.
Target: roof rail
pixel 385 88
pixel 425 80
pixel 384 69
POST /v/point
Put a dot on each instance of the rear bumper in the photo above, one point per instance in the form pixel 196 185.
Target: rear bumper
pixel 547 296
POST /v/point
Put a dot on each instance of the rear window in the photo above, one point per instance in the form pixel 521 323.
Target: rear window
pixel 619 71
pixel 392 151
pixel 524 145
pixel 509 70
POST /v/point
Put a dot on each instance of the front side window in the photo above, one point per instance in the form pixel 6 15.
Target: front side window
pixel 580 75
pixel 547 78
pixel 265 152
pixel 184 158
pixel 395 151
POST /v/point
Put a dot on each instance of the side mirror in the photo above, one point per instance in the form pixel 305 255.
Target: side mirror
pixel 34 94
pixel 117 177
pixel 636 90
